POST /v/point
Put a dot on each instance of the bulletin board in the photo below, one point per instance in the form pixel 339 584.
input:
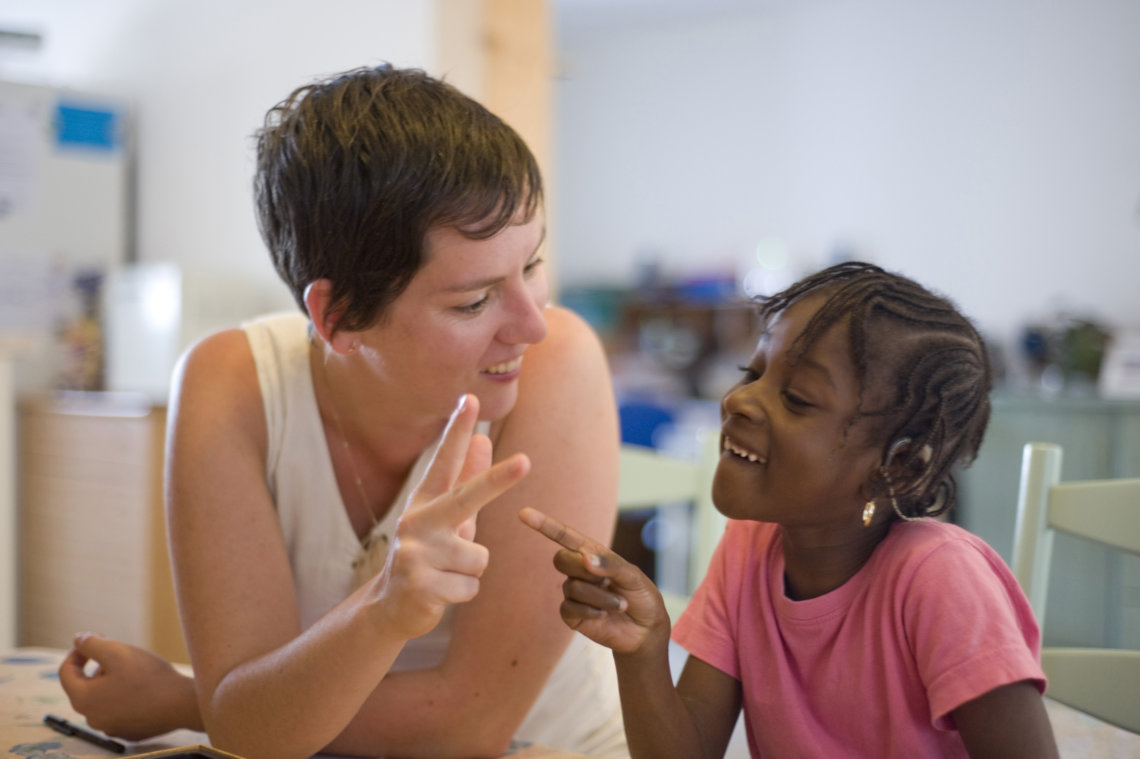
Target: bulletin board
pixel 64 207
pixel 64 200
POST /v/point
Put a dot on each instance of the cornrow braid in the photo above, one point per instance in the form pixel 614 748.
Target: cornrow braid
pixel 940 400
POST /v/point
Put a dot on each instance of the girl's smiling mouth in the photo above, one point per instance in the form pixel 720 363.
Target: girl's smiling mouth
pixel 736 449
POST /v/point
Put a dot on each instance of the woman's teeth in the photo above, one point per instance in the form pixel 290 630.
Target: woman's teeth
pixel 506 366
pixel 743 453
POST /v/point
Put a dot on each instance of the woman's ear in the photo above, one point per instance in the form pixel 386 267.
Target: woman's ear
pixel 323 315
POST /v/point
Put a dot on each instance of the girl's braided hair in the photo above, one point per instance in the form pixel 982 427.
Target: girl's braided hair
pixel 935 416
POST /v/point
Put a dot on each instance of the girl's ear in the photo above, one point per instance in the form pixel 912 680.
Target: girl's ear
pixel 903 467
pixel 318 301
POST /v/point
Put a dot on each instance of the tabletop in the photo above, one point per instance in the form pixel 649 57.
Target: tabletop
pixel 30 689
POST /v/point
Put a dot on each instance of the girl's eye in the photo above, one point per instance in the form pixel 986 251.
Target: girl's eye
pixel 533 264
pixel 795 402
pixel 473 308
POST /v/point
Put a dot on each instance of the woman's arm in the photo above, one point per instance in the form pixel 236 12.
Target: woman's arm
pixel 1009 722
pixel 266 689
pixel 132 693
pixel 232 576
pixel 507 641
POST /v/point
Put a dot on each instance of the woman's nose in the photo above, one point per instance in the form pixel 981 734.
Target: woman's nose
pixel 526 322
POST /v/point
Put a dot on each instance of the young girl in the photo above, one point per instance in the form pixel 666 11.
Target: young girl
pixel 843 620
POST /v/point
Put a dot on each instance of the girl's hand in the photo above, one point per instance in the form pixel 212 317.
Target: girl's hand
pixel 434 561
pixel 132 693
pixel 606 598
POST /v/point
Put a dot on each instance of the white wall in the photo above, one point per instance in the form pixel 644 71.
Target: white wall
pixel 990 150
pixel 201 74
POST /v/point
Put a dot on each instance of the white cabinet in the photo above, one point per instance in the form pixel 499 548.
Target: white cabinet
pixel 92 538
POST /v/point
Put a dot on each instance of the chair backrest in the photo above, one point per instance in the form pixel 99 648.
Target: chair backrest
pixel 649 477
pixel 1100 681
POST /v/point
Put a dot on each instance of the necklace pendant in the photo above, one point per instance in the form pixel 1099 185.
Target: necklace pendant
pixel 371 558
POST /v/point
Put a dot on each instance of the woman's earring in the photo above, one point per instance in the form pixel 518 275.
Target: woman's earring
pixel 868 513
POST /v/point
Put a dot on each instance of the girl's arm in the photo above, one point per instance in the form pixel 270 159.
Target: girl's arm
pixel 266 689
pixel 1009 722
pixel 703 707
pixel 612 602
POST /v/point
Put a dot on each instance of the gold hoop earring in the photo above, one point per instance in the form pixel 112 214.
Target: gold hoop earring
pixel 868 513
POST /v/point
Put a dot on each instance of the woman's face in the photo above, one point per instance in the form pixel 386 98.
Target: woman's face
pixel 464 322
pixel 791 455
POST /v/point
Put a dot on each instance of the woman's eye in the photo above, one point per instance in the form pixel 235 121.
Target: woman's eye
pixel 532 265
pixel 473 308
pixel 750 374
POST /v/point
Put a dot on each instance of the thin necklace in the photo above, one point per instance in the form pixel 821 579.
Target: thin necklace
pixel 371 550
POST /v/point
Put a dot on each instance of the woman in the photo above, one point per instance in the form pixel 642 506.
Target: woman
pixel 407 222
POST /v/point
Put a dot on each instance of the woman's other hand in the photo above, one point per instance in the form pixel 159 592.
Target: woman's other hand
pixel 606 598
pixel 131 693
pixel 434 560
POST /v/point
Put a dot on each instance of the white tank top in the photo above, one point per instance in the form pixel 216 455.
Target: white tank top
pixel 578 709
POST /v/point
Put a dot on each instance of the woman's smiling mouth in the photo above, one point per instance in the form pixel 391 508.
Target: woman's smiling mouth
pixel 506 367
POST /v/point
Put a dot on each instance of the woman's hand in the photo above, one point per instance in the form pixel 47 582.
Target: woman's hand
pixel 606 598
pixel 434 560
pixel 132 693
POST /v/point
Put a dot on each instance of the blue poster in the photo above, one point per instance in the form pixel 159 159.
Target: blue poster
pixel 86 127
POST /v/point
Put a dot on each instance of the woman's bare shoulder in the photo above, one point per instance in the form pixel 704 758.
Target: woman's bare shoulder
pixel 216 380
pixel 564 324
pixel 225 349
pixel 566 381
pixel 570 344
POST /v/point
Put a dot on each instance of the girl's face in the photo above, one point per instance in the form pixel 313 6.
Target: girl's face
pixel 464 322
pixel 789 453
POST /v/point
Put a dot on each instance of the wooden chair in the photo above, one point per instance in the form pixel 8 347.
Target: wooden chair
pixel 649 477
pixel 1102 682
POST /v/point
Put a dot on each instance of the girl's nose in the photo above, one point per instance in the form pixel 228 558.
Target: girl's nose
pixel 744 401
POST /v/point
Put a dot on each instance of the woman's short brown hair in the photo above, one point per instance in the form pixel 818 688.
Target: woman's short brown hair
pixel 353 171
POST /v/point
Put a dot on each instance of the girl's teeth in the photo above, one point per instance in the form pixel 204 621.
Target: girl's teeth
pixel 741 452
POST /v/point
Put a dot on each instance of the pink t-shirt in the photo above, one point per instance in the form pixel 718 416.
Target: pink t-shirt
pixel 873 668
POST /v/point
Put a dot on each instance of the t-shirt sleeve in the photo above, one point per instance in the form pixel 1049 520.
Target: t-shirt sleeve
pixel 704 628
pixel 971 627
